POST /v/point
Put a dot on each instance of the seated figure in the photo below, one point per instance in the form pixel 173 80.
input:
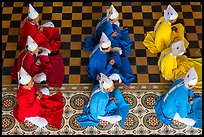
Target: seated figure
pixel 37 105
pixel 111 27
pixel 165 33
pixel 105 103
pixel 45 35
pixel 180 103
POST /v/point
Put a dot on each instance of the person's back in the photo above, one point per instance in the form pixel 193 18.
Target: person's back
pixel 174 102
pixel 27 60
pixel 96 64
pixel 103 26
pixel 162 34
pixel 27 29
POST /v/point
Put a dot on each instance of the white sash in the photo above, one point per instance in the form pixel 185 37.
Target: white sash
pixel 172 89
pixel 101 22
pixel 164 55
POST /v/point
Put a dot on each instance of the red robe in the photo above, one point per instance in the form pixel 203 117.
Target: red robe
pixel 52 66
pixel 29 64
pixel 48 107
pixel 49 38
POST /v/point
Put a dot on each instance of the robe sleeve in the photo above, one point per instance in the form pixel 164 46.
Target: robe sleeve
pixel 190 93
pixel 101 69
pixel 169 67
pixel 29 107
pixel 96 107
pixel 30 65
pixel 108 29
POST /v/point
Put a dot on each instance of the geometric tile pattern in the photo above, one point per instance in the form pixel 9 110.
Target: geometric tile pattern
pixel 76 20
pixel 141 118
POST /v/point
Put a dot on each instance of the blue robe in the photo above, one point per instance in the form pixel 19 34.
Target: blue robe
pixel 176 102
pixel 101 105
pixel 98 63
pixel 196 112
pixel 122 40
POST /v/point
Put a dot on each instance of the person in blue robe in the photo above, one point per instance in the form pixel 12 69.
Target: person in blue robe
pixel 110 26
pixel 175 105
pixel 102 61
pixel 105 103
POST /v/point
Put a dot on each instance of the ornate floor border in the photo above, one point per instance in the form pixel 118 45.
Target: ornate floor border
pixel 89 87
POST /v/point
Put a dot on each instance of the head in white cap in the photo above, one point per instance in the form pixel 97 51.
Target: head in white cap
pixel 105 43
pixel 170 14
pixel 32 13
pixel 191 78
pixel 178 48
pixel 106 83
pixel 115 77
pixel 24 77
pixel 112 14
pixel 31 45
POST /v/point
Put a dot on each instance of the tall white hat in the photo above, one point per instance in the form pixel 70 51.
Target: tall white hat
pixel 115 77
pixel 112 13
pixel 105 82
pixel 104 41
pixel 31 45
pixel 32 13
pixel 24 77
pixel 191 77
pixel 170 13
pixel 178 48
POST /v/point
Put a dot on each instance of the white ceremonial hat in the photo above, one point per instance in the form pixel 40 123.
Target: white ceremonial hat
pixel 112 13
pixel 105 82
pixel 170 14
pixel 104 41
pixel 178 48
pixel 115 77
pixel 31 45
pixel 24 77
pixel 191 77
pixel 32 13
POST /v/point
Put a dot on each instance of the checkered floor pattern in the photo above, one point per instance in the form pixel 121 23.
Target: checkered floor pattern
pixel 76 20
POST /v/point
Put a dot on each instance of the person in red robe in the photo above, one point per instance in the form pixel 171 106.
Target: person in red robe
pixel 37 106
pixel 45 35
pixel 39 65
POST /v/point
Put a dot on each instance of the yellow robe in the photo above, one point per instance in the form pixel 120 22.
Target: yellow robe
pixel 196 63
pixel 163 36
pixel 175 68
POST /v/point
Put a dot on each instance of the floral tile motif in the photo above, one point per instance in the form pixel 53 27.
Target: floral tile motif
pixel 141 119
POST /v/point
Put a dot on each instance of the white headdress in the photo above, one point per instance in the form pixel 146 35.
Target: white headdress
pixel 30 44
pixel 170 13
pixel 32 13
pixel 104 41
pixel 105 82
pixel 24 77
pixel 191 77
pixel 112 13
pixel 178 48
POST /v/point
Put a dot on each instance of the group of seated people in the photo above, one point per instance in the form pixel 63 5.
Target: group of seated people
pixel 38 62
pixel 179 103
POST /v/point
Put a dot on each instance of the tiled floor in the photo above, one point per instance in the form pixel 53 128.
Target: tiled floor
pixel 77 20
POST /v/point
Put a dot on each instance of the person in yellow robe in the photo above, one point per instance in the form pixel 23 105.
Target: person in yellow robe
pixel 165 33
pixel 174 65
